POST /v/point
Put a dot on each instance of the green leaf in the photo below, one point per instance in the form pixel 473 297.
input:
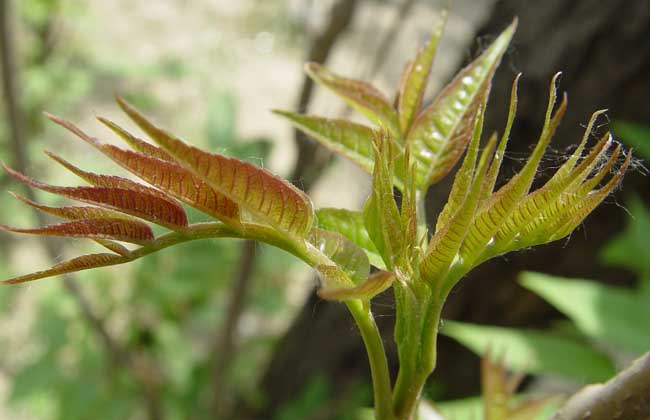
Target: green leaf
pixel 634 135
pixel 495 166
pixel 442 131
pixel 608 314
pixel 414 77
pixel 366 290
pixel 499 206
pixel 361 96
pixel 351 225
pixel 343 252
pixel 443 248
pixel 381 215
pixel 352 140
pixel 533 351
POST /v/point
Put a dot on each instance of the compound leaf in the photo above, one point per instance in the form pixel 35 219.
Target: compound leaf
pixel 255 189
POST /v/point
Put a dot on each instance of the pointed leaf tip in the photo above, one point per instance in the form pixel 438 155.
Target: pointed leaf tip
pixel 366 290
pixel 117 229
pixel 360 95
pixel 351 140
pixel 84 262
pixel 441 132
pixel 414 77
pixel 136 143
pixel 156 167
pixel 264 195
pixel 117 195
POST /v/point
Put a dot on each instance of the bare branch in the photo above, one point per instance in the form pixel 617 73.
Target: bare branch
pixel 626 397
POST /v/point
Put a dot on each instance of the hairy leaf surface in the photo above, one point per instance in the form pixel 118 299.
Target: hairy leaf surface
pixel 136 143
pixel 443 248
pixel 497 208
pixel 261 193
pixel 75 213
pixel 146 206
pixel 165 175
pixel 85 262
pixel 106 228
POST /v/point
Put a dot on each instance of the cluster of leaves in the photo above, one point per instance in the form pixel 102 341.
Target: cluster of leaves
pixel 606 322
pixel 250 202
pixel 162 317
pixel 603 318
pixel 476 223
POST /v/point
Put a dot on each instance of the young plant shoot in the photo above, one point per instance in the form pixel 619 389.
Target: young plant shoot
pixel 408 147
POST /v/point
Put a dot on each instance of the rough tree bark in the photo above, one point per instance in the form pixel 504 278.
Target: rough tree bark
pixel 603 49
pixel 626 396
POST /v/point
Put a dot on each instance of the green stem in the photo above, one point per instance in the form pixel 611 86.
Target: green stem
pixel 420 212
pixel 377 358
pixel 407 395
pixel 410 382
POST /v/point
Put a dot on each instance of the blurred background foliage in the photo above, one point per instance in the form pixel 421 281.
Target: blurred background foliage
pixel 189 335
pixel 166 310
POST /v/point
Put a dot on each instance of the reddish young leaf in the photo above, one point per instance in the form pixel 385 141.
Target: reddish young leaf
pixel 109 181
pixel 84 262
pixel 150 207
pixel 166 175
pixel 107 228
pixel 74 212
pixel 255 189
pixel 136 143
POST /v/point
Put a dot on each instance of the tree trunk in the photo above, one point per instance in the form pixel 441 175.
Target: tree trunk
pixel 603 50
